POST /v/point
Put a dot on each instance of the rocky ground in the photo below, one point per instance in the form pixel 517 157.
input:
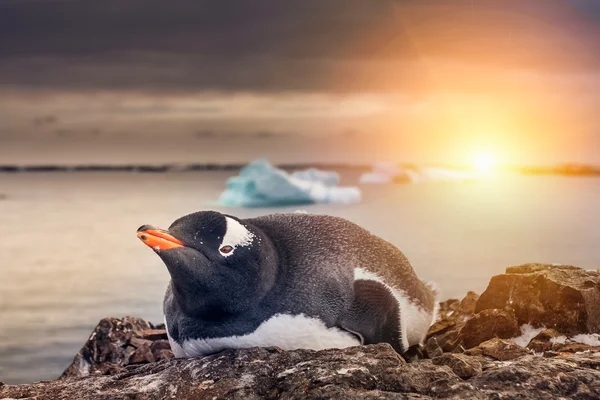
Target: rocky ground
pixel 533 334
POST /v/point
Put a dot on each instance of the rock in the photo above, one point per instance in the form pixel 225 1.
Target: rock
pixel 362 372
pixel 447 307
pixel 552 340
pixel 162 354
pixel 563 297
pixel 161 345
pixel 458 315
pixel 541 342
pixel 463 366
pixel 153 334
pixel 446 331
pixel 575 348
pixel 115 344
pixel 161 349
pixel 502 349
pixel 139 342
pixel 475 351
pixel 432 348
pixel 142 354
pixel 488 324
pixel 469 341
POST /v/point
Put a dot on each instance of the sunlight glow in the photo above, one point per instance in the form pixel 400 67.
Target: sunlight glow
pixel 484 162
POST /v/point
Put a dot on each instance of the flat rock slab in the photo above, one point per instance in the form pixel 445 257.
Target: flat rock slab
pixel 363 372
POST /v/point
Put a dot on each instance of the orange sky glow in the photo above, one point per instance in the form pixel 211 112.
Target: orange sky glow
pixel 431 82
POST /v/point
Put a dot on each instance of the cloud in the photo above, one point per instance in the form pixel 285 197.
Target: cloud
pixel 271 45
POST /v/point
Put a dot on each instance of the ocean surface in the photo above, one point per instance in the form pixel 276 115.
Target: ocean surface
pixel 69 254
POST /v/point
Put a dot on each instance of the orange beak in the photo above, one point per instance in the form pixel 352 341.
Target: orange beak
pixel 158 239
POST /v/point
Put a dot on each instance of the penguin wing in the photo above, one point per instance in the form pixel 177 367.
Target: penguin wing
pixel 374 315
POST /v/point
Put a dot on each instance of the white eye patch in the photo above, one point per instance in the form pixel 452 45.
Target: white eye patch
pixel 236 235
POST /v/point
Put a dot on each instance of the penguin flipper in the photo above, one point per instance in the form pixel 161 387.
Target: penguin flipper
pixel 374 315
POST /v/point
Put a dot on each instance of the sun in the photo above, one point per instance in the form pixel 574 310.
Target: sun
pixel 484 162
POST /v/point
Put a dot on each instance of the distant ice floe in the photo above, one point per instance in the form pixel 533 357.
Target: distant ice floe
pixel 259 184
pixel 391 173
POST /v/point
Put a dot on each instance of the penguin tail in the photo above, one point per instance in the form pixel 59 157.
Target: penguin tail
pixel 435 293
pixel 433 287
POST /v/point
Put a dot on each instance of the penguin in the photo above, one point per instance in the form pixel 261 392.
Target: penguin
pixel 287 280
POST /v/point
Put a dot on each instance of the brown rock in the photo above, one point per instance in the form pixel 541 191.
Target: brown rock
pixel 442 327
pixel 161 345
pixel 464 366
pixel 153 334
pixel 448 340
pixel 161 349
pixel 475 351
pixel 446 331
pixel 563 297
pixel 162 354
pixel 467 305
pixel 550 354
pixel 112 346
pixel 432 348
pixel 362 372
pixel 541 342
pixel 447 307
pixel 502 350
pixel 137 342
pixel 488 324
pixel 142 354
pixel 575 348
pixel 463 311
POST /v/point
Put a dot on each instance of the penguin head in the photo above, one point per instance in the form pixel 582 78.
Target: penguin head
pixel 218 264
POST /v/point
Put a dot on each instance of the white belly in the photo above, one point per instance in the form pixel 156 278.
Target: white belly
pixel 288 332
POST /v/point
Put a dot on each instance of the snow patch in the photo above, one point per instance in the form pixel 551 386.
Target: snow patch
pixel 591 339
pixel 559 340
pixel 528 332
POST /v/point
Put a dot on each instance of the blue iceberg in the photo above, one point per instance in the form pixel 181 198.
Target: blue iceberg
pixel 259 184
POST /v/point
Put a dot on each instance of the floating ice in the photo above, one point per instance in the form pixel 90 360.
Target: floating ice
pixel 259 184
pixel 328 178
pixel 381 173
pixel 392 173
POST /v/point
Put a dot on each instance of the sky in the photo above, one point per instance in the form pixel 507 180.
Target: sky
pixel 316 80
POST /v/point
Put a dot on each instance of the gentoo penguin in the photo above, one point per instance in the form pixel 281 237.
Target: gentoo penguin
pixel 286 280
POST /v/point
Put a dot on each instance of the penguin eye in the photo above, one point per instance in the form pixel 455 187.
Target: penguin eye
pixel 226 249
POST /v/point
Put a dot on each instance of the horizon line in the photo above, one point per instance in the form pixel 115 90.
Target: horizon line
pixel 566 168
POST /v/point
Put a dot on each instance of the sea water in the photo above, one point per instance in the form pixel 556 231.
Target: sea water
pixel 69 253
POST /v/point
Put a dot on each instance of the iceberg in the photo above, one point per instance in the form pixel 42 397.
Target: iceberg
pixel 259 184
pixel 381 173
pixel 327 178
